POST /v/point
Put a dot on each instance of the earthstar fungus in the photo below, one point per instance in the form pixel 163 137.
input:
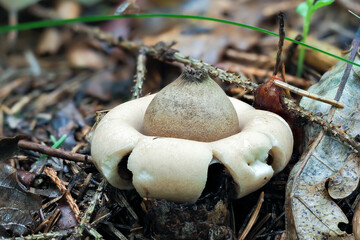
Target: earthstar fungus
pixel 163 144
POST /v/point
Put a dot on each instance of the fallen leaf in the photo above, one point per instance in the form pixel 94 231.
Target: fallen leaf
pixel 83 57
pixel 50 41
pixel 67 9
pixel 344 182
pixel 16 203
pixel 67 219
pixel 311 212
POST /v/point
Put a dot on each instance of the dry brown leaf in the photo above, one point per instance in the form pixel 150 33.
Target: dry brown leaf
pixel 67 9
pixel 67 219
pixel 16 203
pixel 50 41
pixel 310 211
pixel 84 57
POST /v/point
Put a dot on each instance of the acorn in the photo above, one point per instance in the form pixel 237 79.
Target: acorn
pixel 192 107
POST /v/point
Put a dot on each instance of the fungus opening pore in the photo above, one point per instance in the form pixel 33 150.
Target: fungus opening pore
pixel 194 75
pixel 123 171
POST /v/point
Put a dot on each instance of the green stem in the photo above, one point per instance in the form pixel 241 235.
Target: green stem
pixel 301 58
pixel 56 145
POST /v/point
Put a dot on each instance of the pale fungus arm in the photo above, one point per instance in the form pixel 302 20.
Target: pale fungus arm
pixel 262 149
pixel 170 168
pixel 115 137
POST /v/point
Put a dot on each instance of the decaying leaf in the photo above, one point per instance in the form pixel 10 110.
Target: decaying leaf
pixel 310 210
pixel 16 203
pixel 344 182
pixel 67 219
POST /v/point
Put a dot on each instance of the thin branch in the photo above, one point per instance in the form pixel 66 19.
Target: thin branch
pixel 325 124
pixel 355 45
pixel 304 93
pixel 76 157
pixel 140 74
pixel 253 217
pixel 84 222
pixel 50 235
pixel 61 186
pixel 281 42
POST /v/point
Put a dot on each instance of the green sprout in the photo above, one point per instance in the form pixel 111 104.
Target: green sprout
pixel 306 10
pixel 56 144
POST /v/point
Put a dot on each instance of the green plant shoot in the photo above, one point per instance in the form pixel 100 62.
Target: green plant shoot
pixel 56 144
pixel 306 10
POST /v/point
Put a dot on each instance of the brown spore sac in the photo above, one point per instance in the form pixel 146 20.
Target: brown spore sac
pixel 192 107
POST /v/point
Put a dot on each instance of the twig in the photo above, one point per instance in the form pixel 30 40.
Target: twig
pixel 116 232
pixel 356 44
pixel 52 174
pixel 52 219
pixel 120 199
pixel 300 82
pixel 76 157
pixel 85 186
pixel 86 217
pixel 272 224
pixel 253 217
pixel 325 124
pixel 304 93
pixel 49 235
pixel 270 234
pixel 259 229
pixel 56 144
pixel 280 44
pixel 140 74
pixel 291 50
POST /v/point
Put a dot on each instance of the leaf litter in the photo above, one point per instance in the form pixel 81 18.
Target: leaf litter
pixel 17 204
